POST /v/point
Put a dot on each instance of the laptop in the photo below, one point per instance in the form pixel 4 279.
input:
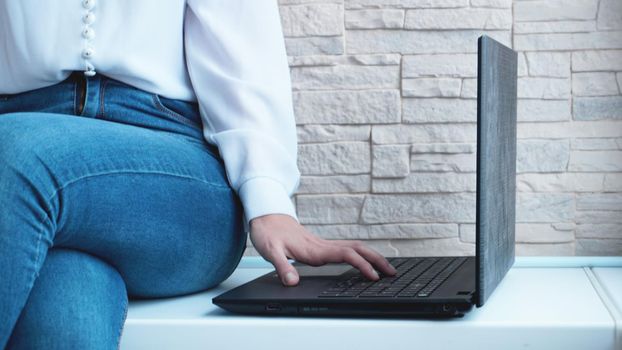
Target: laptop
pixel 424 286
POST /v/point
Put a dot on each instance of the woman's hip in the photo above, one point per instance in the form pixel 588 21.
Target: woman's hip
pixel 155 205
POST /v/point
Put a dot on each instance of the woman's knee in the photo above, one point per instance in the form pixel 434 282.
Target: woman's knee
pixel 77 302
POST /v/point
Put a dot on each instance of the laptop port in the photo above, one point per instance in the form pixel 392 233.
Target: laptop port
pixel 273 307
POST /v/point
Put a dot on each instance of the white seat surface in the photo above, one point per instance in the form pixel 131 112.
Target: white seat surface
pixel 541 304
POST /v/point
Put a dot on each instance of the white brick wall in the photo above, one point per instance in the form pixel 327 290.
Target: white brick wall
pixel 384 95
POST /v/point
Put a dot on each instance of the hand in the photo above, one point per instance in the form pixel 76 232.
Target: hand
pixel 278 237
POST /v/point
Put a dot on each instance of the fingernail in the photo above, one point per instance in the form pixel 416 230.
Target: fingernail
pixel 375 274
pixel 290 278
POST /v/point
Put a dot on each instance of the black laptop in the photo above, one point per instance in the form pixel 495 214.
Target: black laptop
pixel 423 286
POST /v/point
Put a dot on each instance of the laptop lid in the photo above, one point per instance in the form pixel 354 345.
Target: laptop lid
pixel 496 164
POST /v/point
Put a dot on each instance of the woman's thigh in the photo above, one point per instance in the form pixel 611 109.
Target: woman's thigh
pixel 155 205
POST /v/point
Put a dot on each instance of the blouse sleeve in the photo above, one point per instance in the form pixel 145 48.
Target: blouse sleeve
pixel 235 54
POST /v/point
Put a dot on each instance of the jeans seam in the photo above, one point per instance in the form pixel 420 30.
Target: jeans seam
pixel 158 104
pixel 120 334
pixel 134 172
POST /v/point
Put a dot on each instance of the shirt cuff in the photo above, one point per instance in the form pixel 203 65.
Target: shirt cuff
pixel 262 196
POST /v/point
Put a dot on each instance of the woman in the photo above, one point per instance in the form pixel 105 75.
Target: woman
pixel 138 145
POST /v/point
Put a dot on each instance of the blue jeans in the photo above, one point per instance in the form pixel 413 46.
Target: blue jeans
pixel 105 191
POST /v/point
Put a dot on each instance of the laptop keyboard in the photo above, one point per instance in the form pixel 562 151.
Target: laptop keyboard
pixel 416 277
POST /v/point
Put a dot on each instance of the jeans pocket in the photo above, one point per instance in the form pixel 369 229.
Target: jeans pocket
pixel 182 111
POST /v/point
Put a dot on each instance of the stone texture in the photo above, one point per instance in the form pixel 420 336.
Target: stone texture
pixel 568 130
pixel 554 10
pixel 327 133
pixel 431 87
pixel 467 233
pixel 600 60
pixel 347 107
pixel 419 208
pixel 600 201
pixel 544 88
pixel 595 161
pixel 384 98
pixel 323 19
pixel 329 209
pixel 605 247
pixel 374 19
pixel 544 207
pixel 435 65
pixel 345 77
pixel 550 249
pixel 460 18
pixel 328 60
pixel 358 4
pixel 609 15
pixel 443 148
pixel 522 69
pixel 534 110
pixel 323 45
pixel 417 231
pixel 548 64
pixel 387 134
pixel 568 41
pixel 334 158
pixel 594 84
pixel 594 144
pixel 415 42
pixel 492 3
pixel 436 162
pixel 427 183
pixel 438 110
pixel 469 88
pixel 390 231
pixel 613 182
pixel 432 247
pixel 599 231
pixel 598 217
pixel 560 182
pixel 542 156
pixel 595 108
pixel 554 27
pixel 335 184
pixel 544 233
pixel 390 161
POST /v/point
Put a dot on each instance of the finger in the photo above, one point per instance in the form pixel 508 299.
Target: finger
pixel 350 256
pixel 379 261
pixel 287 273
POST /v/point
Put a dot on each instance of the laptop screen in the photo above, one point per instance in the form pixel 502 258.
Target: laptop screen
pixel 496 164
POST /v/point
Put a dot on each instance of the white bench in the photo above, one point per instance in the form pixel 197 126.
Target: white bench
pixel 543 303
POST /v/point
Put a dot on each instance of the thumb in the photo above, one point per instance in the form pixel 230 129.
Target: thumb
pixel 287 273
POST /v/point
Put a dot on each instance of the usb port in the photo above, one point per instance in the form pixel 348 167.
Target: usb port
pixel 273 307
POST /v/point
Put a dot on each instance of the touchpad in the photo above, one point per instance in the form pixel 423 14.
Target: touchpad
pixel 325 270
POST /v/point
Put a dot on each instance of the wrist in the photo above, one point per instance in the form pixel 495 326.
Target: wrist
pixel 270 219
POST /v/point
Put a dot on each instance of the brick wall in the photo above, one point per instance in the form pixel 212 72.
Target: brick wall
pixel 384 94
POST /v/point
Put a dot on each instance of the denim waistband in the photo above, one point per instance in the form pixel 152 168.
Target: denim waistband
pixel 102 97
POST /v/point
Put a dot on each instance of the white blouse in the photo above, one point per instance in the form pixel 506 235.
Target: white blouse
pixel 229 55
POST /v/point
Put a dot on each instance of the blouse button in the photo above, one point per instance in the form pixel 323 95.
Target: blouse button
pixel 89 18
pixel 88 4
pixel 88 33
pixel 87 52
pixel 90 70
